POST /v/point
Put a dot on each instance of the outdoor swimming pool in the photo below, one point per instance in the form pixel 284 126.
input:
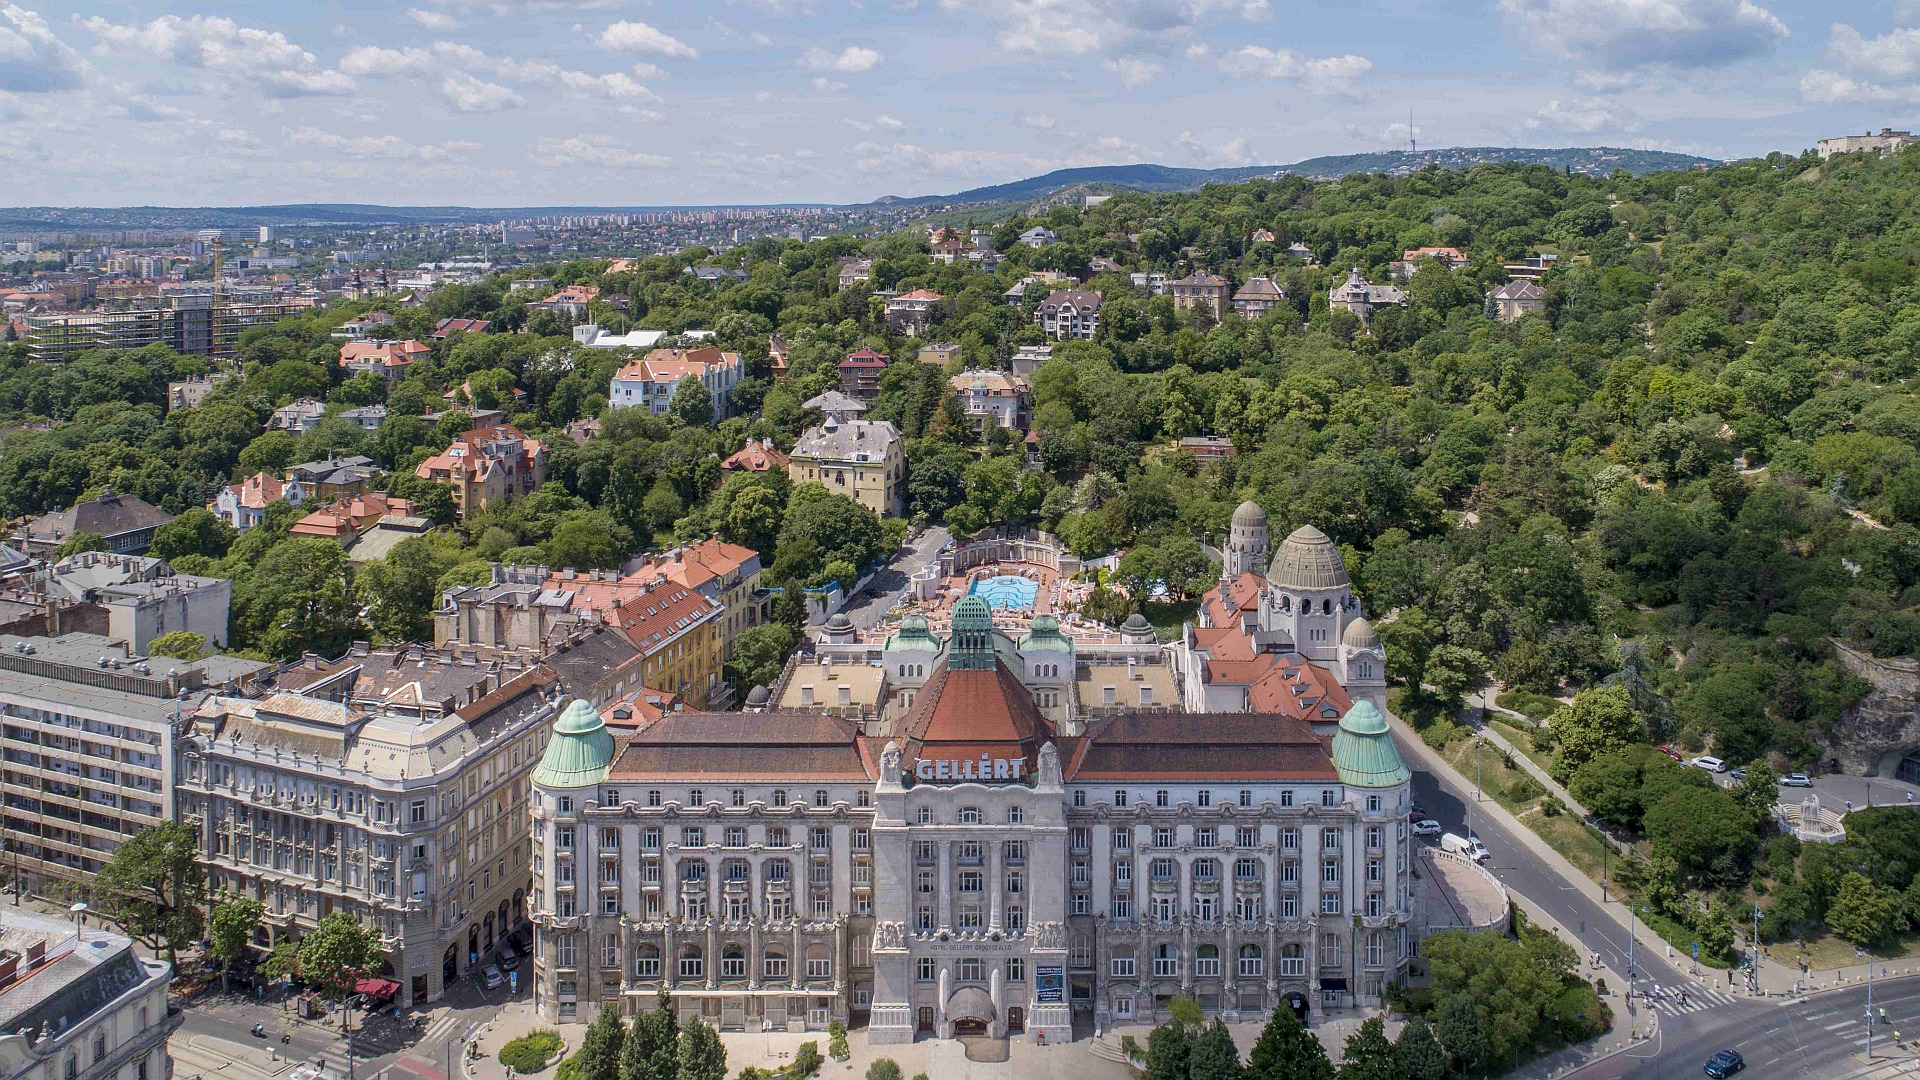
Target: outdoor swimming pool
pixel 1006 591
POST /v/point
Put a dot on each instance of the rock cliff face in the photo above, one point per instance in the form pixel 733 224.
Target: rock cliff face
pixel 1879 730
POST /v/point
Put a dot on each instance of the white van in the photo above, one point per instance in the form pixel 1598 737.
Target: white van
pixel 1711 764
pixel 1470 846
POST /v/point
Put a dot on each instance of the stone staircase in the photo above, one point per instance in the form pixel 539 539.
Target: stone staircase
pixel 1107 1048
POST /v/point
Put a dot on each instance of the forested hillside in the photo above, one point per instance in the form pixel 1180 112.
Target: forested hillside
pixel 1703 457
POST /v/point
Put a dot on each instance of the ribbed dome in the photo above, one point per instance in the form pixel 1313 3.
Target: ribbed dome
pixel 1308 560
pixel 580 752
pixel 1136 623
pixel 1363 752
pixel 1360 635
pixel 1249 515
pixel 759 695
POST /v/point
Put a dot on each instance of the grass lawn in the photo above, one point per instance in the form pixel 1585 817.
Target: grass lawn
pixel 1576 840
pixel 1828 951
pixel 1523 742
pixel 1496 779
pixel 1167 618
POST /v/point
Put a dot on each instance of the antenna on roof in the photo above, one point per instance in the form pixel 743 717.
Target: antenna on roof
pixel 1413 141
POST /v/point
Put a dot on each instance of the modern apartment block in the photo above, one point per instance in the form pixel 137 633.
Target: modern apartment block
pixel 195 325
pixel 86 746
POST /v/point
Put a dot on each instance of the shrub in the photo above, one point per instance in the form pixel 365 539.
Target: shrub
pixel 806 1060
pixel 1536 707
pixel 1524 788
pixel 529 1052
pixel 884 1069
pixel 1553 807
pixel 1441 733
pixel 837 1041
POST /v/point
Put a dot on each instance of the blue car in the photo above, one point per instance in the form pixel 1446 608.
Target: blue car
pixel 1725 1064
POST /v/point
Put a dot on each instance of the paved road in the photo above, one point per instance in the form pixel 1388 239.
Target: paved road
pixel 1521 872
pixel 1820 1036
pixel 878 598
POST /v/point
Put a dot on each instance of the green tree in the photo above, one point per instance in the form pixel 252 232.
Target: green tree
pixel 231 930
pixel 154 887
pixel 599 1054
pixel 1286 1050
pixel 1213 1055
pixel 1462 1031
pixel 702 1057
pixel 195 532
pixel 400 591
pixel 75 544
pixel 337 955
pixel 884 1069
pixel 295 599
pixel 180 645
pixel 652 1048
pixel 759 652
pixel 1864 913
pixel 1370 1055
pixel 1704 830
pixel 1169 1052
pixel 692 405
pixel 1600 720
pixel 1420 1050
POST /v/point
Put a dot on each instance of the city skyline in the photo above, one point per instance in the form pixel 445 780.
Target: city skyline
pixel 764 101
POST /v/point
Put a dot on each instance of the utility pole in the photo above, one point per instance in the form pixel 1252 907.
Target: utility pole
pixel 1632 919
pixel 1605 847
pixel 1753 977
pixel 1863 952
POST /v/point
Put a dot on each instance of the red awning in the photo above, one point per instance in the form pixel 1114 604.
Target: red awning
pixel 380 988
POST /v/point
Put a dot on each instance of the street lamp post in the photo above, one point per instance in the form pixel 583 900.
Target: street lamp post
pixel 1753 977
pixel 1863 952
pixel 450 1045
pixel 1605 847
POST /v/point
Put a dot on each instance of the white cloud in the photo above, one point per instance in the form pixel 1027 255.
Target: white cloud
pixel 376 62
pixel 217 43
pixel 145 109
pixel 390 147
pixel 1079 27
pixel 828 86
pixel 889 123
pixel 645 70
pixel 32 59
pixel 593 151
pixel 1134 72
pixel 464 93
pixel 1039 121
pixel 433 20
pixel 852 60
pixel 1316 74
pixel 618 85
pixel 1628 35
pixel 639 37
pixel 1583 116
pixel 1231 152
pixel 1885 68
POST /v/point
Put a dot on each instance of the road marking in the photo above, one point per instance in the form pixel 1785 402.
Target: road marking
pixel 1838 1026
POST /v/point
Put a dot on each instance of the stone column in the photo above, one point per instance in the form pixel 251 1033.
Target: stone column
pixel 943 886
pixel 713 953
pixel 669 953
pixel 992 869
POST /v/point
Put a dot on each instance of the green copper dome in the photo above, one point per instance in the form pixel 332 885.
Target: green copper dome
pixel 1363 751
pixel 580 752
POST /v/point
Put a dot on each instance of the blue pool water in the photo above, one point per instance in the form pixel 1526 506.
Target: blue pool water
pixel 1006 591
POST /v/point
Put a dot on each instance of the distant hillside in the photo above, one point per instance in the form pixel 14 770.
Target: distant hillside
pixel 324 214
pixel 1601 160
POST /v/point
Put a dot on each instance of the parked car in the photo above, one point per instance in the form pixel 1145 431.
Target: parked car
pixel 508 954
pixel 491 978
pixel 1725 1064
pixel 1426 827
pixel 1709 763
pixel 1671 752
pixel 1470 846
pixel 1737 774
pixel 1796 779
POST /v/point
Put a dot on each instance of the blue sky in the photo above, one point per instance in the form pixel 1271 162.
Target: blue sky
pixel 518 102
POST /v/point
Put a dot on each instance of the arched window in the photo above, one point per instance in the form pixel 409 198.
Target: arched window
pixel 1292 961
pixel 923 816
pixel 1252 964
pixel 1326 607
pixel 1286 603
pixel 1166 962
pixel 1016 815
pixel 693 964
pixel 819 962
pixel 646 962
pixel 776 964
pixel 1206 962
pixel 969 815
pixel 733 962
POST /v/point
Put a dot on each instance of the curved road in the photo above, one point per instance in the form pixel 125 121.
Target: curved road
pixel 1823 1036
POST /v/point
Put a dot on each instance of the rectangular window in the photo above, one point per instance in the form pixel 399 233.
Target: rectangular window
pixel 1290 906
pixel 971 969
pixel 1206 967
pixel 1016 970
pixel 928 969
pixel 1121 967
pixel 1290 839
pixel 1123 840
pixel 1330 903
pixel 1329 797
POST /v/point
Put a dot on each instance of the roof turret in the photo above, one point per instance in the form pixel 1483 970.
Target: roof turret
pixel 580 752
pixel 1363 751
pixel 1308 560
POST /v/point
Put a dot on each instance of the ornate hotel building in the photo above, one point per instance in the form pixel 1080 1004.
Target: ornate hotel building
pixel 986 852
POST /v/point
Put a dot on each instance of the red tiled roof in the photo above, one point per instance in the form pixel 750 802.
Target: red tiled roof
pixel 711 747
pixel 1199 746
pixel 756 456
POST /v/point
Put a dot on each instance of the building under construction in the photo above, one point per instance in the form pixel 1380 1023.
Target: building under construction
pixel 196 325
